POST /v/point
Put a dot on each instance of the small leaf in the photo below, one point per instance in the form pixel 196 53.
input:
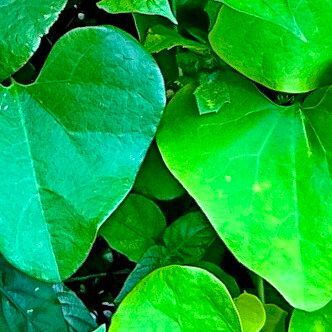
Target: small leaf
pixel 155 180
pixel 177 298
pixel 72 144
pixel 147 7
pixel 212 94
pixel 261 174
pixel 316 321
pixel 161 38
pixel 101 328
pixel 27 304
pixel 134 227
pixel 251 312
pixel 275 319
pixel 22 24
pixel 186 242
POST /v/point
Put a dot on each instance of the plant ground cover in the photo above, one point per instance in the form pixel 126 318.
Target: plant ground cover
pixel 165 165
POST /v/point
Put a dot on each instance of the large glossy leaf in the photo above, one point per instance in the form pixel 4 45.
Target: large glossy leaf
pixel 186 242
pixel 251 312
pixel 150 7
pixel 134 227
pixel 30 305
pixel 270 54
pixel 155 180
pixel 71 146
pixel 317 321
pixel 177 299
pixel 22 23
pixel 261 174
pixel 279 12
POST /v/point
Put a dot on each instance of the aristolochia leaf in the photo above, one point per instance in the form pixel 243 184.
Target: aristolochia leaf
pixel 261 174
pixel 22 23
pixel 274 54
pixel 177 298
pixel 71 146
pixel 148 7
pixel 27 304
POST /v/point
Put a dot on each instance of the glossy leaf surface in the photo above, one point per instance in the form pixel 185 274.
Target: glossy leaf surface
pixel 151 7
pixel 261 174
pixel 251 312
pixel 134 227
pixel 20 33
pixel 71 145
pixel 27 304
pixel 270 54
pixel 179 299
pixel 317 321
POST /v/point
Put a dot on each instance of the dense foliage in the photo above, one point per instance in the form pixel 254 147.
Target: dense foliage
pixel 165 165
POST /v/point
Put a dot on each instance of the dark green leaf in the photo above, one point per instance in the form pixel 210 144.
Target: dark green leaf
pixel 275 319
pixel 155 180
pixel 33 306
pixel 22 23
pixel 71 145
pixel 134 227
pixel 176 298
pixel 261 174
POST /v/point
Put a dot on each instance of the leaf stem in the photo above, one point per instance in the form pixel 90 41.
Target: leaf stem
pixel 97 275
pixel 260 289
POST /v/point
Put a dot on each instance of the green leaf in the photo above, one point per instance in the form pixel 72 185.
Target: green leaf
pixel 27 304
pixel 251 312
pixel 261 174
pixel 317 321
pixel 161 38
pixel 134 227
pixel 177 298
pixel 275 319
pixel 155 180
pixel 188 238
pixel 22 24
pixel 225 278
pixel 101 328
pixel 279 12
pixel 71 145
pixel 150 7
pixel 277 59
pixel 212 94
pixel 186 242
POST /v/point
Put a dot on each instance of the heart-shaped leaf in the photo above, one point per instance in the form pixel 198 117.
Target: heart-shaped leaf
pixel 272 55
pixel 177 298
pixel 317 321
pixel 134 227
pixel 71 146
pixel 27 304
pixel 22 23
pixel 261 174
pixel 279 12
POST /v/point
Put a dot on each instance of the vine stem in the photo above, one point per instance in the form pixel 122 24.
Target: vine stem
pixel 98 275
pixel 260 289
